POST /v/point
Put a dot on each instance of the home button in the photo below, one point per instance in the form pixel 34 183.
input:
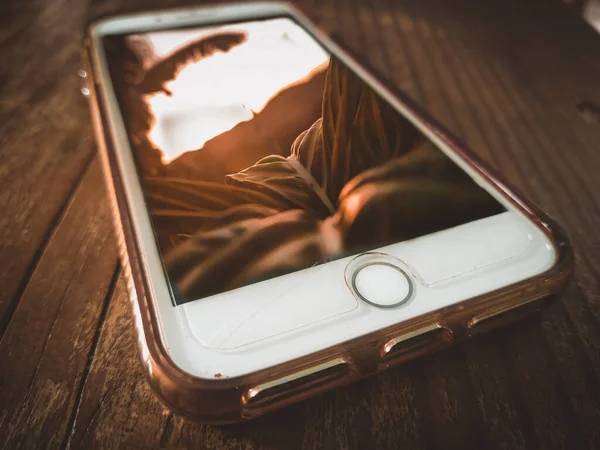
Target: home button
pixel 378 281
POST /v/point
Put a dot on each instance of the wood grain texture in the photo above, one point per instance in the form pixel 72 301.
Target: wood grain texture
pixel 505 76
pixel 47 344
pixel 45 141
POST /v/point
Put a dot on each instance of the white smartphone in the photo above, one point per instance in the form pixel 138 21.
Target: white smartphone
pixel 289 213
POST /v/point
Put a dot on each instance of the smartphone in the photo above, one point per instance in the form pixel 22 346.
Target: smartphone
pixel 289 222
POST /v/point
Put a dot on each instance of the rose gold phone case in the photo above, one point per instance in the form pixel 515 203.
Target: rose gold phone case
pixel 240 398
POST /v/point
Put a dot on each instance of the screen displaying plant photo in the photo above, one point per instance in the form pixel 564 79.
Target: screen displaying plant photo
pixel 261 154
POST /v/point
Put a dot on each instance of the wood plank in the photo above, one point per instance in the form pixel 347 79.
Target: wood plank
pixel 45 136
pixel 117 406
pixel 50 340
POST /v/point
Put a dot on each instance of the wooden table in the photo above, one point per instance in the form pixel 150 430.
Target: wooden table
pixel 519 81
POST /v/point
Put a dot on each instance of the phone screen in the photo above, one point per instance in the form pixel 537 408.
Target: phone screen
pixel 260 154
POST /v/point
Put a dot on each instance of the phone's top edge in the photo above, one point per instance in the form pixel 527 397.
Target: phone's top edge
pixel 188 15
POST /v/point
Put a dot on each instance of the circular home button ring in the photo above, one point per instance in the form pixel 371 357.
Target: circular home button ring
pixel 380 282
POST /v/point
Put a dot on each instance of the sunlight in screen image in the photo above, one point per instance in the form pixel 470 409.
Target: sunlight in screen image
pixel 213 94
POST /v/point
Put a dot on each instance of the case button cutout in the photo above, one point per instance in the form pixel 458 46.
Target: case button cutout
pixel 496 318
pixel 294 387
pixel 415 344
